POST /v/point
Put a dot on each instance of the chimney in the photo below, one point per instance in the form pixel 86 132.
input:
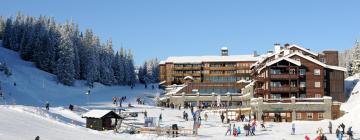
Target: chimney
pixel 224 51
pixel 277 48
pixel 255 54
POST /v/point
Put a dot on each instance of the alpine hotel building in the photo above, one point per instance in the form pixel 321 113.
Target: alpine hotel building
pixel 289 83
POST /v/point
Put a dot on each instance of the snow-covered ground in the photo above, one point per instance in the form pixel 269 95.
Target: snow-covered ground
pixel 28 119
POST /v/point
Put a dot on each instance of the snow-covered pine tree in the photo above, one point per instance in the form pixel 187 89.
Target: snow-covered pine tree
pixel 106 58
pixel 7 33
pixel 122 69
pixel 116 69
pixel 130 69
pixel 2 27
pixel 155 71
pixel 65 63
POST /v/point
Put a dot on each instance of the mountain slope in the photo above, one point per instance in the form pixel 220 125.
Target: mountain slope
pixel 35 87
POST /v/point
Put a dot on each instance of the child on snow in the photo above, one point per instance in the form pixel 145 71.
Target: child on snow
pixel 228 130
pixel 234 130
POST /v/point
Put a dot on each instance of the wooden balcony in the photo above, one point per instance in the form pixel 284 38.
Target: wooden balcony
pixel 178 74
pixel 284 76
pixel 259 91
pixel 187 68
pixel 220 68
pixel 284 89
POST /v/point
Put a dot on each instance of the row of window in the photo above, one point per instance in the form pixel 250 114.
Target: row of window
pixel 219 79
pixel 293 84
pixel 293 71
pixel 215 65
pixel 309 116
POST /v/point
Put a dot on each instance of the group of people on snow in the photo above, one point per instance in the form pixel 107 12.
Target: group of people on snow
pixel 118 101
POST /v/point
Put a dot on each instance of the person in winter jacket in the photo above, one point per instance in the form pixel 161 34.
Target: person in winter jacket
pixel 234 130
pixel 337 132
pixel 206 116
pixel 307 137
pixel 293 129
pixel 47 105
pixel 37 138
pixel 350 132
pixel 228 130
pixel 330 127
pixel 222 117
pixel 238 130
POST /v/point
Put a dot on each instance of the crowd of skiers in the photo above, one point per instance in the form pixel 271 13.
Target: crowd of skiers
pixel 117 101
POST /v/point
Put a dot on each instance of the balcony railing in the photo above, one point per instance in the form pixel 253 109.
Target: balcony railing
pixel 284 76
pixel 298 100
pixel 284 89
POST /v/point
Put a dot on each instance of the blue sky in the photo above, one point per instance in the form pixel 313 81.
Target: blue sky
pixel 162 28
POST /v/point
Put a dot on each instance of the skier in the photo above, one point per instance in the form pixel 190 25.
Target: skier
pixel 145 114
pixel 37 138
pixel 293 129
pixel 186 117
pixel 330 127
pixel 228 130
pixel 222 117
pixel 47 105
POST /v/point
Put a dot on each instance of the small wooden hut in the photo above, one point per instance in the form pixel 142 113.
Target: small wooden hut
pixel 101 119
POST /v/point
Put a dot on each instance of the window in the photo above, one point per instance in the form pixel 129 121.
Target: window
pixel 316 71
pixel 309 116
pixel 317 95
pixel 302 71
pixel 320 116
pixel 302 84
pixel 298 116
pixel 317 84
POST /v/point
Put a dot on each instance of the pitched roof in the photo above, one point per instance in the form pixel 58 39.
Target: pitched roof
pixel 317 61
pixel 96 113
pixel 303 49
pixel 298 63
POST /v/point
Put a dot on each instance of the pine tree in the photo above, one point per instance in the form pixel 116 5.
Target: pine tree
pixel 2 27
pixel 8 33
pixel 65 63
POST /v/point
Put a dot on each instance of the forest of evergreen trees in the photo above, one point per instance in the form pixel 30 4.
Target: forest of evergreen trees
pixel 67 52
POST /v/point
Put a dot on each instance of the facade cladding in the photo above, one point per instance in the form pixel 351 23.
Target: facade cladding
pixel 219 74
pixel 289 83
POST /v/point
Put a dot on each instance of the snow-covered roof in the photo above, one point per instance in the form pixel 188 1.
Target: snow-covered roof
pixel 96 113
pixel 224 48
pixel 303 49
pixel 298 63
pixel 162 82
pixel 317 62
pixel 243 81
pixel 200 59
pixel 188 78
pixel 162 62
